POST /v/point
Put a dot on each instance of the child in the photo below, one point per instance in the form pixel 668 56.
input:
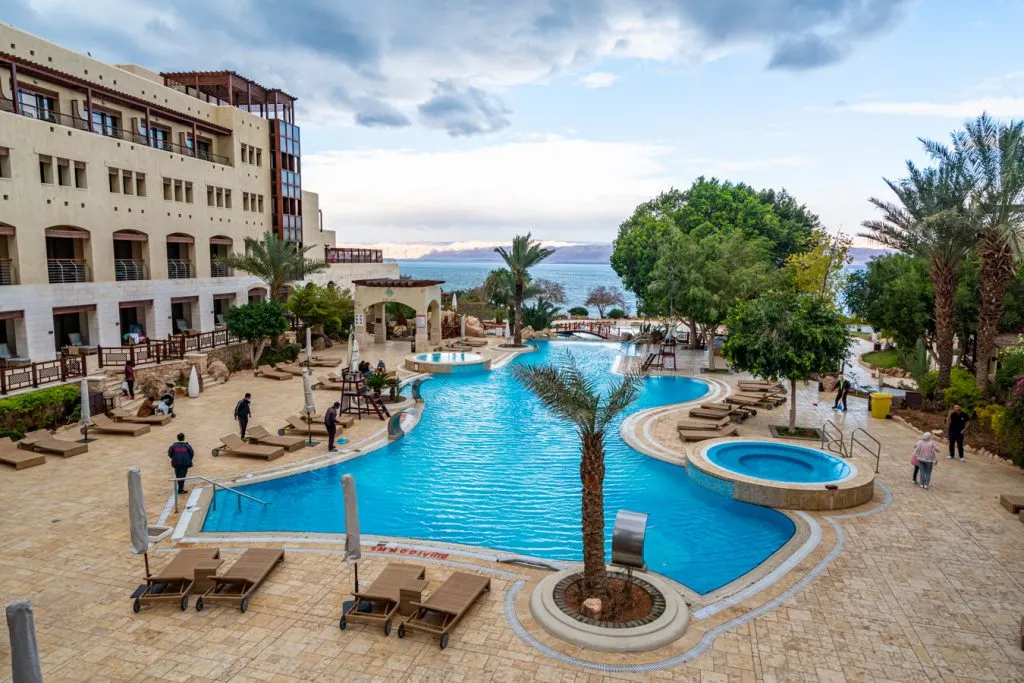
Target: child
pixel 924 457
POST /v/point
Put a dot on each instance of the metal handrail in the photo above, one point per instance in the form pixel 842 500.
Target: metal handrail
pixel 878 445
pixel 174 485
pixel 64 270
pixel 178 269
pixel 129 269
pixel 833 439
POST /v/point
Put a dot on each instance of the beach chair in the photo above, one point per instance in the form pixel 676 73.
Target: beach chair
pixel 761 384
pixel 736 412
pixel 244 578
pixel 767 398
pixel 445 607
pixel 76 340
pixel 761 389
pixel 233 445
pixel 746 401
pixel 158 419
pixel 696 422
pixel 260 435
pixel 272 373
pixel 329 382
pixel 290 368
pixel 18 458
pixel 183 328
pixel 297 426
pixel 104 425
pixel 175 581
pixel 5 356
pixel 687 434
pixel 315 362
pixel 42 441
pixel 377 604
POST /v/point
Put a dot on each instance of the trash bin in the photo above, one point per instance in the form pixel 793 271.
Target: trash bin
pixel 880 405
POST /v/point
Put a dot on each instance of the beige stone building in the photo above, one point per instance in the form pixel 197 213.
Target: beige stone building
pixel 120 187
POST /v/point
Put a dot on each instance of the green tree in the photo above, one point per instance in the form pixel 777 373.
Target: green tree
pixel 637 247
pixel 821 269
pixel 786 336
pixel 274 261
pixel 576 398
pixel 323 307
pixel 257 324
pixel 539 315
pixel 523 255
pixel 602 297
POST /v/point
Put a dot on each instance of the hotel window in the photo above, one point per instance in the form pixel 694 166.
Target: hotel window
pixel 159 136
pixel 37 106
pixel 81 181
pixel 105 123
pixel 227 199
pixel 114 180
pixel 168 190
pixel 188 193
pixel 252 155
pixel 5 162
pixel 220 198
pixel 209 195
pixel 140 184
pixel 179 195
pixel 245 201
pixel 259 157
pixel 244 156
pixel 63 172
pixel 260 202
pixel 126 181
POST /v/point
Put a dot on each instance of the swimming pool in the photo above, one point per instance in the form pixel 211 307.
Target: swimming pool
pixel 488 466
pixel 448 357
pixel 778 462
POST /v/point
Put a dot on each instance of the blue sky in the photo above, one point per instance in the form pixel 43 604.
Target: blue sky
pixel 477 119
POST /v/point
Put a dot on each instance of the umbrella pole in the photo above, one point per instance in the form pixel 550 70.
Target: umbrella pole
pixel 145 556
pixel 356 565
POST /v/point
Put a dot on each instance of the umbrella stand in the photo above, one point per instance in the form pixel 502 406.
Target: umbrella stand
pixel 145 556
pixel 85 435
pixel 309 431
pixel 355 566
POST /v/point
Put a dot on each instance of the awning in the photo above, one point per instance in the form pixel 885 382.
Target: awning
pixel 221 240
pixel 221 297
pixel 184 299
pixel 181 239
pixel 71 234
pixel 135 304
pixel 11 315
pixel 6 229
pixel 61 310
pixel 130 236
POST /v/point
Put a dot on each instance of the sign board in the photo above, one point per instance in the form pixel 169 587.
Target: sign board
pixel 421 321
pixel 360 320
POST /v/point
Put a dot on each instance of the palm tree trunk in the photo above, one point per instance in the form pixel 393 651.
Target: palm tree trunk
pixel 792 405
pixel 944 281
pixel 518 328
pixel 996 269
pixel 595 576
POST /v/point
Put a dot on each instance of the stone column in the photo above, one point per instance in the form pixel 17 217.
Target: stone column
pixel 435 325
pixel 380 330
pixel 360 326
pixel 422 344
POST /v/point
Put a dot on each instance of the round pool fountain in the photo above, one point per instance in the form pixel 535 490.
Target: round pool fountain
pixel 446 362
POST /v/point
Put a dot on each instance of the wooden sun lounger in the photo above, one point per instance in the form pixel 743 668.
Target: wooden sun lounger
pixel 155 419
pixel 319 362
pixel 233 445
pixel 175 581
pixel 328 382
pixel 747 401
pixel 697 422
pixel 702 434
pixel 297 426
pixel 18 458
pixel 105 425
pixel 473 341
pixel 245 576
pixel 761 383
pixel 41 441
pixel 260 435
pixel 706 414
pixel 439 613
pixel 761 388
pixel 773 399
pixel 290 368
pixel 721 409
pixel 270 373
pixel 377 604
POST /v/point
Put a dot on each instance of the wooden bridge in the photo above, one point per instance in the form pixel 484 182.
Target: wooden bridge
pixel 596 328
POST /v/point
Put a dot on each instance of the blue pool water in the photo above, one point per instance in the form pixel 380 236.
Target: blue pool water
pixel 449 357
pixel 778 461
pixel 489 466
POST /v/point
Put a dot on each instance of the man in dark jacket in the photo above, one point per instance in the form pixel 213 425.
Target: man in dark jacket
pixel 842 391
pixel 243 409
pixel 331 422
pixel 181 455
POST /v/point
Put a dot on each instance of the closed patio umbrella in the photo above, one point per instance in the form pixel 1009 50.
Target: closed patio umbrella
pixel 353 351
pixel 508 332
pixel 85 411
pixel 24 651
pixel 352 547
pixel 455 302
pixel 462 327
pixel 310 408
pixel 309 344
pixel 137 522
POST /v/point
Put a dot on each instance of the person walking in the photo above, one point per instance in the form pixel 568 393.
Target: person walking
pixel 958 422
pixel 243 409
pixel 842 390
pixel 129 377
pixel 924 457
pixel 331 422
pixel 181 455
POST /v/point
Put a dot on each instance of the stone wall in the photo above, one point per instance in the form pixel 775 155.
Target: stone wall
pixel 172 370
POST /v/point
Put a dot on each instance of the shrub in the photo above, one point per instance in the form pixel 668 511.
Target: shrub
pixel 1011 366
pixel 45 408
pixel 963 390
pixel 927 382
pixel 616 314
pixel 579 311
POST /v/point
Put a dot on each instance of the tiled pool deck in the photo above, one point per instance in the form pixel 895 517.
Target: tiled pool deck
pixel 928 588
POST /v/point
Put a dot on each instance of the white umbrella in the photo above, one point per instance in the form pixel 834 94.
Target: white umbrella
pixel 309 345
pixel 310 408
pixel 508 332
pixel 462 327
pixel 86 415
pixel 455 302
pixel 353 351
pixel 24 651
pixel 137 523
pixel 193 383
pixel 353 550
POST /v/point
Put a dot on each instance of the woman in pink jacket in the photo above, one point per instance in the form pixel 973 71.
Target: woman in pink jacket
pixel 923 458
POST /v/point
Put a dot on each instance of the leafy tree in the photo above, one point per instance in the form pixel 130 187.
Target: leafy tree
pixel 540 315
pixel 499 290
pixel 257 324
pixel 602 297
pixel 318 306
pixel 786 336
pixel 637 247
pixel 894 295
pixel 821 269
pixel 274 261
pixel 552 292
pixel 523 255
pixel 576 398
pixel 579 311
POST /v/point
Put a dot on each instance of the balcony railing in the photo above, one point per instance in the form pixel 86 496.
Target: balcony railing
pixel 178 269
pixel 217 270
pixel 129 269
pixel 348 255
pixel 109 131
pixel 65 270
pixel 7 275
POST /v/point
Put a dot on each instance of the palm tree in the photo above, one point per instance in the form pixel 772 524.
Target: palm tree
pixel 568 393
pixel 930 221
pixel 275 262
pixel 992 153
pixel 525 254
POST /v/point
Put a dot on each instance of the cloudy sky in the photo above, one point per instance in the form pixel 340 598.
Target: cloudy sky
pixel 474 119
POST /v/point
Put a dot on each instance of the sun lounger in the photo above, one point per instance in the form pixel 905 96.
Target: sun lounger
pixel 761 388
pixel 315 362
pixel 298 426
pixel 758 383
pixel 377 604
pixel 18 458
pixel 42 441
pixel 290 368
pixel 1012 503
pixel 244 577
pixel 7 357
pixel 329 383
pixel 259 435
pixel 734 411
pixel 158 419
pixel 175 581
pixel 747 401
pixel 768 398
pixel 234 445
pixel 76 340
pixel 697 422
pixel 270 373
pixel 439 613
pixel 105 425
pixel 702 434
pixel 472 341
pixel 714 414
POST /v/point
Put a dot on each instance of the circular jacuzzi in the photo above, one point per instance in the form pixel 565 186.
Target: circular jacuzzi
pixel 446 362
pixel 779 462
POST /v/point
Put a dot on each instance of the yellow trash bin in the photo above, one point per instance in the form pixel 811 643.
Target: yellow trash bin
pixel 880 405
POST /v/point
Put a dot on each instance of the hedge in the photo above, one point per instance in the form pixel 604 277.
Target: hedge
pixel 42 409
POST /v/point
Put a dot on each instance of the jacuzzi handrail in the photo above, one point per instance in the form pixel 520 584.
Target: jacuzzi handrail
pixel 833 440
pixel 878 445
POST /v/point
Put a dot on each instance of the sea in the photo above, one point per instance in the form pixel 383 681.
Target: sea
pixel 576 278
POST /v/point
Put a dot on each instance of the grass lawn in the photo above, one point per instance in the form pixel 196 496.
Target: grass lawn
pixel 883 359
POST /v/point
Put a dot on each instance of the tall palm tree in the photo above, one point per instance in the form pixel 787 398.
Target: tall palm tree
pixel 523 255
pixel 930 221
pixel 573 396
pixel 275 262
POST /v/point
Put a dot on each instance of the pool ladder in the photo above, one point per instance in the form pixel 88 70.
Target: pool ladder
pixel 832 439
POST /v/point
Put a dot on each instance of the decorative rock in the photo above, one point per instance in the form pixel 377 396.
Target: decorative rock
pixel 591 607
pixel 473 327
pixel 219 371
pixel 319 343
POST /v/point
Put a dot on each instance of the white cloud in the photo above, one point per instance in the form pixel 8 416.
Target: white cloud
pixel 1002 107
pixel 570 188
pixel 598 79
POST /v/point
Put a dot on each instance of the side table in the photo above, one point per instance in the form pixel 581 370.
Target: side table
pixel 410 592
pixel 203 575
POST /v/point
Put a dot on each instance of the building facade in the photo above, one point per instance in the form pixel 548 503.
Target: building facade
pixel 120 188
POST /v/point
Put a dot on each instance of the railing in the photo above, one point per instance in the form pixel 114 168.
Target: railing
pixel 179 269
pixel 833 441
pixel 69 121
pixel 129 269
pixel 877 451
pixel 217 270
pixel 215 485
pixel 64 270
pixel 150 352
pixel 7 274
pixel 206 340
pixel 591 327
pixel 348 255
pixel 36 374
